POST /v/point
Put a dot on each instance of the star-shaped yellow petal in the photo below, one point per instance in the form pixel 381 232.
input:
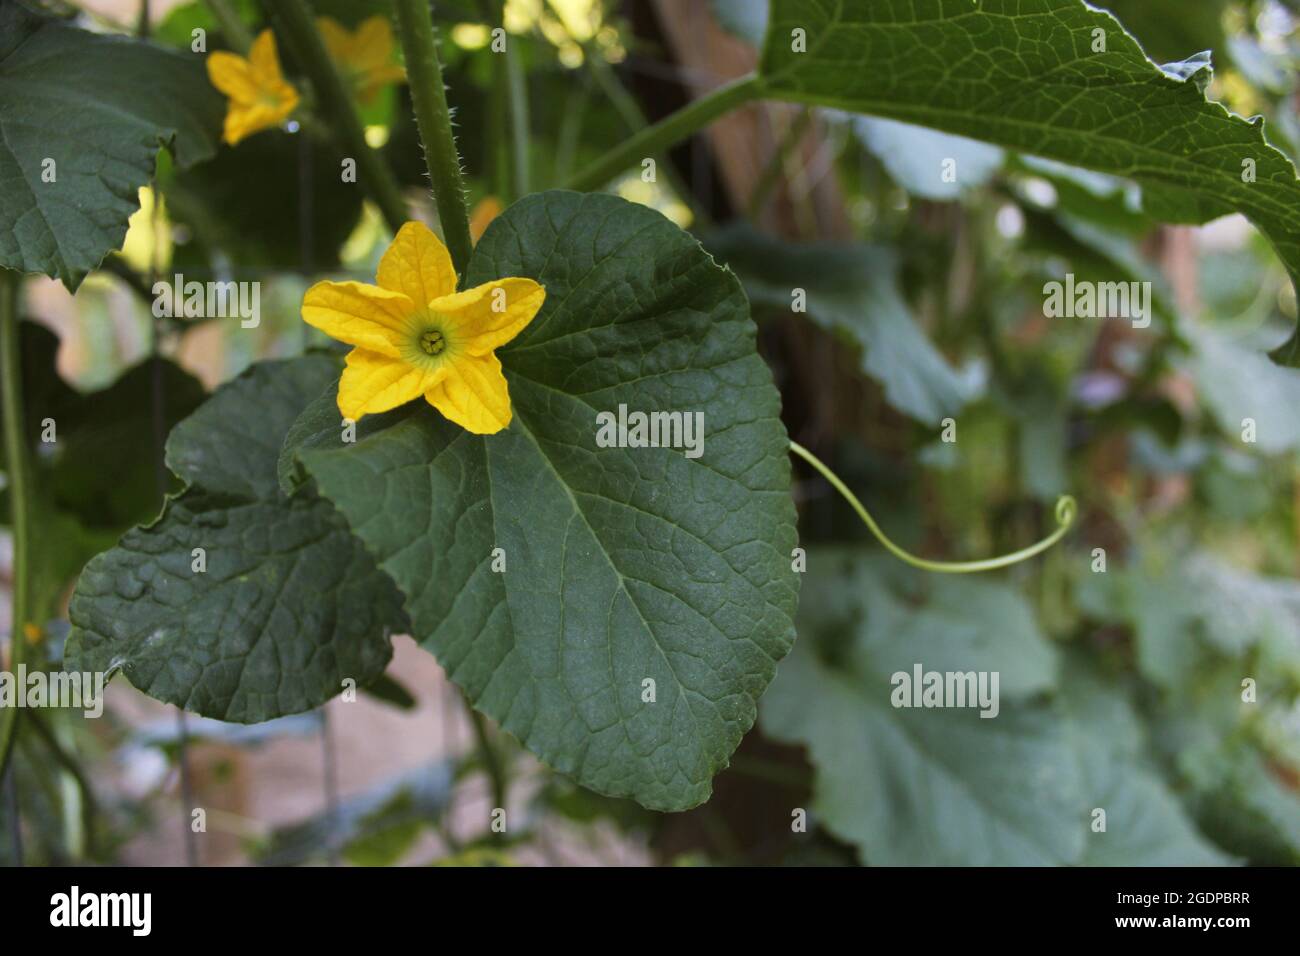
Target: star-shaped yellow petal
pixel 474 395
pixel 414 334
pixel 374 383
pixel 493 313
pixel 418 265
pixel 366 56
pixel 258 95
pixel 366 316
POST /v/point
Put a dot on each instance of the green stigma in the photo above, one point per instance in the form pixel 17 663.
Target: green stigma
pixel 432 342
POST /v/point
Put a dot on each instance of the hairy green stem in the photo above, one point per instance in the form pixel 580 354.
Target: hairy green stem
pixel 1066 510
pixel 669 131
pixel 336 106
pixel 232 28
pixel 429 95
pixel 17 464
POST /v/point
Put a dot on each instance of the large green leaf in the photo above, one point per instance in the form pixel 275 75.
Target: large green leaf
pixel 622 564
pixel 926 786
pixel 289 605
pixel 930 787
pixel 1145 823
pixel 99 106
pixel 946 786
pixel 1023 74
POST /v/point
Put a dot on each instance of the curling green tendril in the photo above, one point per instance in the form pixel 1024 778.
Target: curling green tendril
pixel 1066 511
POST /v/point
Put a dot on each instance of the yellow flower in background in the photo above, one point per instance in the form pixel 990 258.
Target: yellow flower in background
pixel 148 242
pixel 365 57
pixel 414 334
pixel 260 98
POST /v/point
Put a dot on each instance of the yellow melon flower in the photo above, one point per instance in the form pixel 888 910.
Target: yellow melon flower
pixel 365 57
pixel 413 334
pixel 260 98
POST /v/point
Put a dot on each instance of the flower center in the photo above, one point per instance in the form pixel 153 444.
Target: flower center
pixel 432 342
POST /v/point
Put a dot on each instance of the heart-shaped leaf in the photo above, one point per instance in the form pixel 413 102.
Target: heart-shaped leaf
pixel 618 609
pixel 1146 825
pixel 281 604
pixel 947 786
pixel 909 785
